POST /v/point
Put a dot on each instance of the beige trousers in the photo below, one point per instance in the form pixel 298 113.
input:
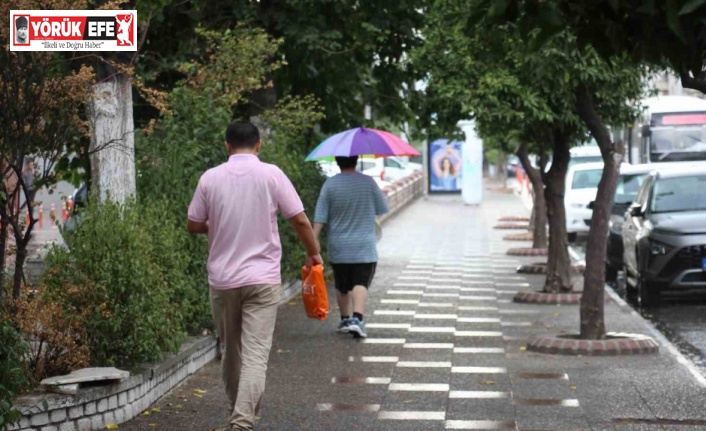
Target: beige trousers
pixel 245 319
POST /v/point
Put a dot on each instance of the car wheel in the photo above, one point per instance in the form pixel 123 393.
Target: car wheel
pixel 571 236
pixel 647 293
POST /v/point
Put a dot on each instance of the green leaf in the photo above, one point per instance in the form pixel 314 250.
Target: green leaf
pixel 673 19
pixel 647 7
pixel 691 6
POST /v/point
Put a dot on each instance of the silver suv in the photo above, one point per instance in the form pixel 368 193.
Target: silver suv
pixel 664 234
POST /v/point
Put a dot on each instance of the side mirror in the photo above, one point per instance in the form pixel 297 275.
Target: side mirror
pixel 635 211
pixel 646 132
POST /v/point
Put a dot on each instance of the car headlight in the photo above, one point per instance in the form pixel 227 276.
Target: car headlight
pixel 658 248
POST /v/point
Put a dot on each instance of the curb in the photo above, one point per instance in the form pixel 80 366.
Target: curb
pixel 571 298
pixel 659 337
pixel 527 251
pixel 514 218
pixel 541 268
pixel 519 237
pixel 511 226
pixel 617 344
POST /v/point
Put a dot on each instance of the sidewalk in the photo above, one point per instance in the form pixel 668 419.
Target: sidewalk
pixel 446 350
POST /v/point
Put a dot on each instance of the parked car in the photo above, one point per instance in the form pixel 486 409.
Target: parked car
pixel 330 168
pixel 581 188
pixel 388 169
pixel 629 183
pixel 585 154
pixel 664 234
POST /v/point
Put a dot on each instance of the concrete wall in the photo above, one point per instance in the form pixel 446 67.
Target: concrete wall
pixel 94 408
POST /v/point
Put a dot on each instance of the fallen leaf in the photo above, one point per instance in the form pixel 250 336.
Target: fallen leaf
pixel 573 387
pixel 111 426
pixel 283 351
pixel 198 395
pixel 488 382
pixel 153 425
pixel 291 303
pixel 155 410
pixel 179 406
pixel 200 391
pixel 147 413
pixel 523 348
pixel 557 314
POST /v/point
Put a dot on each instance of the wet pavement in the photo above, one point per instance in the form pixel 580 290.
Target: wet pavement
pixel 446 350
pixel 681 317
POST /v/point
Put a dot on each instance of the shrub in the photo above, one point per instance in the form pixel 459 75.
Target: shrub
pixel 128 292
pixel 56 341
pixel 12 378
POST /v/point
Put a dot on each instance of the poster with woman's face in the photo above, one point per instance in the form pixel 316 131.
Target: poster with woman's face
pixel 445 163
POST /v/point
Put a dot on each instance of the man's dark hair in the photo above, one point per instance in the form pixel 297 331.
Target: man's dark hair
pixel 347 162
pixel 242 134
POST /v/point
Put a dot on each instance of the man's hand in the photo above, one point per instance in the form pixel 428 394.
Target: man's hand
pixel 314 260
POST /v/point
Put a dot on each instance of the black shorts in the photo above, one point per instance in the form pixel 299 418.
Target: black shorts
pixel 348 275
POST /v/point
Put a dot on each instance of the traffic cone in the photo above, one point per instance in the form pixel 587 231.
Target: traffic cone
pixel 52 215
pixel 41 216
pixel 64 213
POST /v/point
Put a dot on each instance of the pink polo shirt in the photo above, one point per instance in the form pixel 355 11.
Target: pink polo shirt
pixel 240 200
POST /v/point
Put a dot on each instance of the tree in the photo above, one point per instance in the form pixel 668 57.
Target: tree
pixel 601 88
pixel 42 111
pixel 559 90
pixel 483 72
pixel 662 33
pixel 345 53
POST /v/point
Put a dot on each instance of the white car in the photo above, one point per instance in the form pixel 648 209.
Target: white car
pixel 329 169
pixel 388 169
pixel 581 188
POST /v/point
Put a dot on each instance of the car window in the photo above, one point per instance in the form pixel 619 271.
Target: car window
pixel 628 188
pixel 577 160
pixel 586 179
pixel 390 163
pixel 365 165
pixel 641 198
pixel 679 194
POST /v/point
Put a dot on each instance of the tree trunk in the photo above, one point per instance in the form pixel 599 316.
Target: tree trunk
pixel 3 252
pixel 113 139
pixel 539 206
pixel 20 258
pixel 500 165
pixel 558 263
pixel 592 300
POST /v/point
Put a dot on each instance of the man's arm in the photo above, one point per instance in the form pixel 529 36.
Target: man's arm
pixel 318 227
pixel 197 227
pixel 301 225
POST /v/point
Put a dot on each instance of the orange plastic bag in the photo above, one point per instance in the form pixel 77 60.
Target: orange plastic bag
pixel 314 292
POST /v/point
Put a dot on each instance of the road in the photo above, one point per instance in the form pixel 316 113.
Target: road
pixel 681 317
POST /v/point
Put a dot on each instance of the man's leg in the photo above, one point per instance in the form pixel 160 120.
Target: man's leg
pixel 344 303
pixel 217 314
pixel 230 333
pixel 360 295
pixel 259 314
pixel 362 276
pixel 343 296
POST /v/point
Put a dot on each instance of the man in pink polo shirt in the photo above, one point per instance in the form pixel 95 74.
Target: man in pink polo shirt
pixel 236 205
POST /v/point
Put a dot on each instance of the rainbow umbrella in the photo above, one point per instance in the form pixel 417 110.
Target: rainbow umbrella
pixel 362 141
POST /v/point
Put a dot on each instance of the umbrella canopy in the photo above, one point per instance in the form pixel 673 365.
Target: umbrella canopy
pixel 362 141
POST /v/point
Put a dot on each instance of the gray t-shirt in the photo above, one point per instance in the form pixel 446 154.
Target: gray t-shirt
pixel 349 203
